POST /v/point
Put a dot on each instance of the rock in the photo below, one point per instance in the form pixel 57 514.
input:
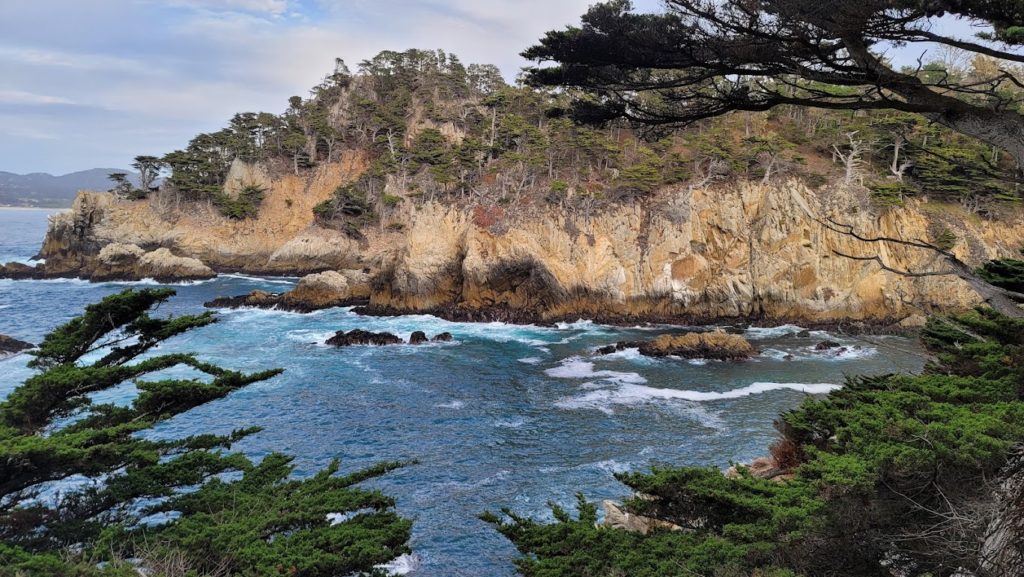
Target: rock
pixel 442 338
pixel 361 337
pixel 804 334
pixel 312 293
pixel 914 322
pixel 607 350
pixel 616 517
pixel 713 345
pixel 418 338
pixel 9 346
pixel 826 345
pixel 19 271
pixel 162 265
pixel 788 358
pixel 255 299
pixel 763 468
pixel 319 291
pixel 124 261
pixel 242 174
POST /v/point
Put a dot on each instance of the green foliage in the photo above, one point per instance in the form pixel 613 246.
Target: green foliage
pixel 1007 273
pixel 890 193
pixel 245 205
pixel 938 436
pixel 236 515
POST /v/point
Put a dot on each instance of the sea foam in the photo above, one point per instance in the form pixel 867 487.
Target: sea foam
pixel 633 394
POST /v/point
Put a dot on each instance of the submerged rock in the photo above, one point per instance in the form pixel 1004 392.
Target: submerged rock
pixel 9 346
pixel 826 345
pixel 361 337
pixel 444 337
pixel 716 345
pixel 418 338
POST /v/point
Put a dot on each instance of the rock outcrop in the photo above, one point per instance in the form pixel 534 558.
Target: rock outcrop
pixel 313 292
pixel 118 261
pixel 616 517
pixel 361 337
pixel 715 345
pixel 744 251
pixel 10 346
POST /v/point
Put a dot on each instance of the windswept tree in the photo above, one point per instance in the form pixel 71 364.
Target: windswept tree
pixel 84 488
pixel 149 168
pixel 703 58
pixel 700 59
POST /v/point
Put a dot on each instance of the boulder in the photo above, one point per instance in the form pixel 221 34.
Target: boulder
pixel 417 338
pixel 914 322
pixel 162 265
pixel 361 337
pixel 19 271
pixel 9 346
pixel 445 337
pixel 319 291
pixel 826 345
pixel 713 345
pixel 124 261
pixel 616 517
pixel 804 334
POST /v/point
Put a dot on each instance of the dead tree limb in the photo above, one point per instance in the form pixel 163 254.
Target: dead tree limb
pixel 1002 300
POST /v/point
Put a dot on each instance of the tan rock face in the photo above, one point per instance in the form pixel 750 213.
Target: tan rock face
pixel 742 250
pixel 329 288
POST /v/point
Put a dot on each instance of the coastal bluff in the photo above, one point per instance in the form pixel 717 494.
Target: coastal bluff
pixel 737 250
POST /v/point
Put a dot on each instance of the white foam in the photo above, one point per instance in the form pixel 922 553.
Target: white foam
pixel 576 368
pixel 771 332
pixel 281 280
pixel 632 394
pixel 531 360
pixel 401 565
pixel 511 423
pixel 451 405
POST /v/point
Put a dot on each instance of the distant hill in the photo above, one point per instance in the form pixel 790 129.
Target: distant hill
pixel 41 189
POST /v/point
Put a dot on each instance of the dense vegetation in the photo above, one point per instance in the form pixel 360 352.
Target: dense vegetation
pixel 892 473
pixel 85 491
pixel 431 128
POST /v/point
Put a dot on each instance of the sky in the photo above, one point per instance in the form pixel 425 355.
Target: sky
pixel 93 83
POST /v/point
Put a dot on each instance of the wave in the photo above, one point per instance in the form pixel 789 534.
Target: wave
pixel 456 404
pixel 771 332
pixel 401 565
pixel 281 280
pixel 632 394
pixel 809 353
pixel 576 368
pixel 531 360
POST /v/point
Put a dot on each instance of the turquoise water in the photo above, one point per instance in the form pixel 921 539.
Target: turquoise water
pixel 504 416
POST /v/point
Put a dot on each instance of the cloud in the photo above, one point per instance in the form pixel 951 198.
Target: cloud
pixel 275 7
pixel 22 97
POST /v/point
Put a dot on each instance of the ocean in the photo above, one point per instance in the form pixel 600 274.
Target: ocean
pixel 503 416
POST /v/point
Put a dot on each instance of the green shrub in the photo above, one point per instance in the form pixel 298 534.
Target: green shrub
pixel 245 205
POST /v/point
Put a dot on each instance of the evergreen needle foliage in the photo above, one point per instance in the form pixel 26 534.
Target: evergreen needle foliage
pixel 893 475
pixel 83 489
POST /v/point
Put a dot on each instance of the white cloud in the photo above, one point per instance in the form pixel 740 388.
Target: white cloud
pixel 23 97
pixel 275 7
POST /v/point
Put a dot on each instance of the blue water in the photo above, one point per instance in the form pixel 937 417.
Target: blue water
pixel 505 416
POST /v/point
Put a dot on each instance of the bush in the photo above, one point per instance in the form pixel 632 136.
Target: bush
pixel 245 205
pixel 941 437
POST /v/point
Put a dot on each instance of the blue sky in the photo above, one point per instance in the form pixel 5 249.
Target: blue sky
pixel 92 83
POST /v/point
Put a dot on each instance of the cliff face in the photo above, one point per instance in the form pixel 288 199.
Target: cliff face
pixel 741 250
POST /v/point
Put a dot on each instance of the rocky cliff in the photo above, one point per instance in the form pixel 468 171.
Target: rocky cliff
pixel 736 250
